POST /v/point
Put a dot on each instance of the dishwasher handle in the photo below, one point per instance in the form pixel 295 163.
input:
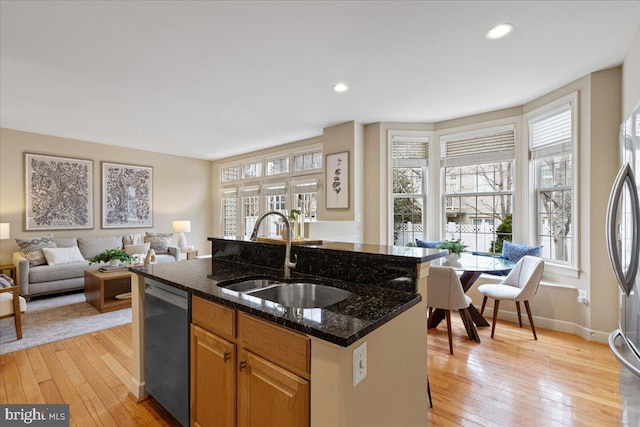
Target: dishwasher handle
pixel 169 297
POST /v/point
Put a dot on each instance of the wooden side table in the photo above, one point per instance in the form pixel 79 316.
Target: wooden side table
pixel 11 269
pixel 101 289
pixel 188 254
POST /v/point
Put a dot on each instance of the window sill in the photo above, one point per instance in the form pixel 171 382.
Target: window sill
pixel 561 270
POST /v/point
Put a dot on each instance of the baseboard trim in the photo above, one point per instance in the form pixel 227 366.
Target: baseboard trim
pixel 551 324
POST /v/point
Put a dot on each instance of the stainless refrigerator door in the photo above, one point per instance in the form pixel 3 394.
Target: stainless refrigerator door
pixel 623 214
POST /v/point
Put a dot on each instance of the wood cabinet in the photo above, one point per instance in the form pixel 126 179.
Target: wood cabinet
pixel 245 371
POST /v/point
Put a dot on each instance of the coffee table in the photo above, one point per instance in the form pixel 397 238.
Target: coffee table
pixel 101 289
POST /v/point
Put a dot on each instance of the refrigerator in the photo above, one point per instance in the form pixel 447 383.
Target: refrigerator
pixel 623 245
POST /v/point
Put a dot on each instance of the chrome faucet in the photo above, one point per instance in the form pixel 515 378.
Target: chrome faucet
pixel 288 265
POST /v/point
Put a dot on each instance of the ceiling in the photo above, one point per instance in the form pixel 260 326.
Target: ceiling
pixel 214 79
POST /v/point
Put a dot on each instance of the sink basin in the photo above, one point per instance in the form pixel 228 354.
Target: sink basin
pixel 302 295
pixel 248 285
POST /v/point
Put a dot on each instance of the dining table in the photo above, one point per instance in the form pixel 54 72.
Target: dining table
pixel 472 266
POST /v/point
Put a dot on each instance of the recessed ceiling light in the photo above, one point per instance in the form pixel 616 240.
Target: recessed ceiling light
pixel 499 31
pixel 340 87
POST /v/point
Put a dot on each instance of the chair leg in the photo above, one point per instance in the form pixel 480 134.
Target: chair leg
pixel 484 303
pixel 519 315
pixel 495 316
pixel 447 313
pixel 16 314
pixel 533 328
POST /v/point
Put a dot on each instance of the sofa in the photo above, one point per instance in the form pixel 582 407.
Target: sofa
pixel 38 275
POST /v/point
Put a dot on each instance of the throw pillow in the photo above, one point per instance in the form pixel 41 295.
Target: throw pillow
pixel 57 256
pixel 513 252
pixel 5 281
pixel 159 242
pixel 142 248
pixel 427 243
pixel 32 249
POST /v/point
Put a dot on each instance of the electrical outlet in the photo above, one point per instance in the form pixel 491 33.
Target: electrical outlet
pixel 359 363
pixel 583 296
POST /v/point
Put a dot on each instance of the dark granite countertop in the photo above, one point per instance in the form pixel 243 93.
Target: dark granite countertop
pixel 343 323
pixel 418 255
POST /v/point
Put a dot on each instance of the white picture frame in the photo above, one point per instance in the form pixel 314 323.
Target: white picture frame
pixel 337 180
pixel 58 193
pixel 127 196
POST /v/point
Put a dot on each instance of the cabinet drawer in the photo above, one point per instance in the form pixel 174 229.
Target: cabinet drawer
pixel 213 317
pixel 285 348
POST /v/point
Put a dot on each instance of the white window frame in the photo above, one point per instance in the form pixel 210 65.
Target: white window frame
pixel 485 128
pixel 391 134
pixel 572 267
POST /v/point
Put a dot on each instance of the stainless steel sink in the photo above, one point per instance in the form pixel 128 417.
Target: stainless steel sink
pixel 301 295
pixel 249 285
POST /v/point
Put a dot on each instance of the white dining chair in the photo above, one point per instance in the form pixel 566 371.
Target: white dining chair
pixel 444 291
pixel 521 284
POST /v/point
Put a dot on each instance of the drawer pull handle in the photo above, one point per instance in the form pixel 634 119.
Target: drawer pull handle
pixel 243 364
pixel 227 356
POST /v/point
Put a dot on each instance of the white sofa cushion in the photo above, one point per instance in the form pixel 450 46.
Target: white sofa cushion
pixel 57 256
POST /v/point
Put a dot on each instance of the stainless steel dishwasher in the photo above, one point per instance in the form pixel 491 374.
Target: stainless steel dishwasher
pixel 166 322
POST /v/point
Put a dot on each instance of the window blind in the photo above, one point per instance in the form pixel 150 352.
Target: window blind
pixel 304 185
pixel 228 192
pixel 253 190
pixel 410 150
pixel 275 188
pixel 552 128
pixel 491 146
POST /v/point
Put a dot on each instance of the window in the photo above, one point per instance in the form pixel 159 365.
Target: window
pixel 250 208
pixel 551 137
pixel 478 176
pixel 252 170
pixel 229 202
pixel 276 196
pixel 305 197
pixel 410 154
pixel 231 174
pixel 277 166
pixel 307 161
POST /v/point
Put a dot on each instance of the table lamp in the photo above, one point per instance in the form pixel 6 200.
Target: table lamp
pixel 183 226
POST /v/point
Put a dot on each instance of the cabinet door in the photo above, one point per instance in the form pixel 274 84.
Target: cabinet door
pixel 213 380
pixel 270 396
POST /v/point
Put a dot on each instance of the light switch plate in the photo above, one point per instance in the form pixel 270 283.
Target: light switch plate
pixel 359 363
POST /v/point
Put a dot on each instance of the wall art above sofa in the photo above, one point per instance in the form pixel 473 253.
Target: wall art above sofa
pixel 127 196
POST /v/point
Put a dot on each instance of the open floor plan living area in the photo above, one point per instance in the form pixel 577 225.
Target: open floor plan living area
pixel 319 213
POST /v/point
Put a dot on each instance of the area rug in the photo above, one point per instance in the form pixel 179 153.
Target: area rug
pixel 55 318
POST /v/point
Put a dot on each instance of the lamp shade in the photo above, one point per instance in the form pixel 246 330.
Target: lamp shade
pixel 5 230
pixel 181 226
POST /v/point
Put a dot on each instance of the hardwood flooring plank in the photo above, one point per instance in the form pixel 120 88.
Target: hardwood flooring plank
pixel 37 364
pixel 28 379
pixel 66 387
pixel 11 379
pixel 50 392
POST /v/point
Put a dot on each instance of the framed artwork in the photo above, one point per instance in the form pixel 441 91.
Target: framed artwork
pixel 127 196
pixel 58 192
pixel 337 174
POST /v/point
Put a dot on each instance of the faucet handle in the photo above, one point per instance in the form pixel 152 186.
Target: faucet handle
pixel 293 264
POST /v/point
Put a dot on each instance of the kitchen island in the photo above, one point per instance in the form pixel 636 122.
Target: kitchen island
pixel 386 310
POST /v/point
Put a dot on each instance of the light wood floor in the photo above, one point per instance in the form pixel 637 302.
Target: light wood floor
pixel 512 380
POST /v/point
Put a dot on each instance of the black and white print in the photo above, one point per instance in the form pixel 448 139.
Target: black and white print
pixel 337 188
pixel 59 192
pixel 127 196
